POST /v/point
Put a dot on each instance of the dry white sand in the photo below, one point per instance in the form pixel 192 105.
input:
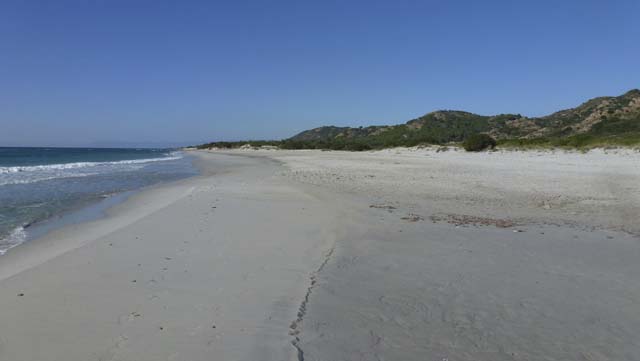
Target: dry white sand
pixel 598 188
pixel 488 256
pixel 492 256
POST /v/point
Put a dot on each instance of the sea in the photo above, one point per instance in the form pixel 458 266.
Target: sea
pixel 40 186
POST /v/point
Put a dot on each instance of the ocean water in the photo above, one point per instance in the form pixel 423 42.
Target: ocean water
pixel 39 184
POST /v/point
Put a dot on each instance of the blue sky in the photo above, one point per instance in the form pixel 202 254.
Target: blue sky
pixel 134 72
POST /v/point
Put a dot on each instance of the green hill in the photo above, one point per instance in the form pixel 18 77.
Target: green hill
pixel 598 122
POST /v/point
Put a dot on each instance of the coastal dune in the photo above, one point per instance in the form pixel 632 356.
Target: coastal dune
pixel 403 254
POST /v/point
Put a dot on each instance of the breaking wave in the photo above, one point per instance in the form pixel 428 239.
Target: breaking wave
pixel 39 173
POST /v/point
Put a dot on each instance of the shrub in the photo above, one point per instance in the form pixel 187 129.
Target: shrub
pixel 357 146
pixel 478 142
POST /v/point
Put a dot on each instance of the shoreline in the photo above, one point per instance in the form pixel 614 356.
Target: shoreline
pixel 304 255
pixel 105 215
pixel 91 207
pixel 60 238
pixel 92 211
pixel 153 256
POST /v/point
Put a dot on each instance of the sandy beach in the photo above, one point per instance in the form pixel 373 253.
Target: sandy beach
pixel 401 254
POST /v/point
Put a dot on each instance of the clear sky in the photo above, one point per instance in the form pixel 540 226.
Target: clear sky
pixel 137 72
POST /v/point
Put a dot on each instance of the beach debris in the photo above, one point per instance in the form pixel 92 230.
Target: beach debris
pixel 388 207
pixel 411 217
pixel 466 220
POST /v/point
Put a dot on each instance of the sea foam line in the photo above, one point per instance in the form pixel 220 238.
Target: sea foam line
pixel 16 237
pixel 44 178
pixel 62 166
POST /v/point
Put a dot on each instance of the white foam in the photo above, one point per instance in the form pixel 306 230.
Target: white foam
pixel 44 178
pixel 16 237
pixel 39 173
pixel 32 168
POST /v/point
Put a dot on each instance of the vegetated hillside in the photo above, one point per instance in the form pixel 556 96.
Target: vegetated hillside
pixel 600 121
pixel 603 120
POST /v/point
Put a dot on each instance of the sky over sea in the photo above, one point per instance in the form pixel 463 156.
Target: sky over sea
pixel 156 73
